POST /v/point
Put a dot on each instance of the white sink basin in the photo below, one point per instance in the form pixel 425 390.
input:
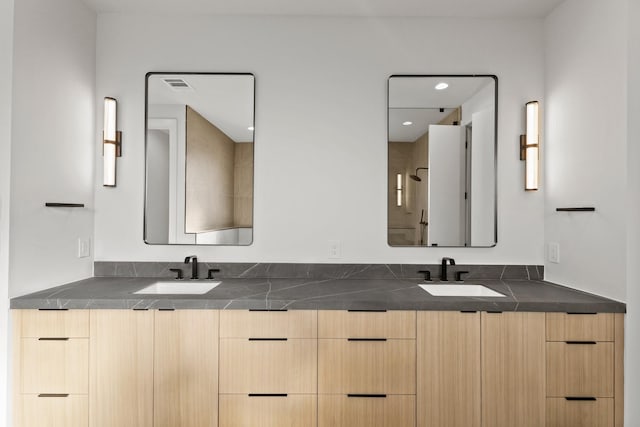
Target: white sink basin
pixel 460 291
pixel 179 287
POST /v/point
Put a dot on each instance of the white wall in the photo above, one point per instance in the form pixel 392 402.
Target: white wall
pixel 632 344
pixel 321 107
pixel 6 54
pixel 585 144
pixel 52 142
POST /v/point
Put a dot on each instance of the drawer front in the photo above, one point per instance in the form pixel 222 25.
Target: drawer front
pixel 267 411
pixel 54 323
pixel 345 411
pixel 579 413
pixel 67 411
pixel 580 327
pixel 580 369
pixel 55 366
pixel 268 324
pixel 367 324
pixel 248 366
pixel 387 367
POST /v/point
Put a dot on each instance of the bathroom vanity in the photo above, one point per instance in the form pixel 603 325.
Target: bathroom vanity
pixel 332 353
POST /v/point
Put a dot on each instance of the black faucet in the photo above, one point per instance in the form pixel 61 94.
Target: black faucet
pixel 194 266
pixel 443 268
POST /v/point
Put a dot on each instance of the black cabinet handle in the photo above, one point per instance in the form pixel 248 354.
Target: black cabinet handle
pixel 267 309
pixel 367 311
pixel 575 398
pixel 268 339
pixel 367 339
pixel 268 395
pixel 581 342
pixel 375 396
pixel 53 339
pixel 53 395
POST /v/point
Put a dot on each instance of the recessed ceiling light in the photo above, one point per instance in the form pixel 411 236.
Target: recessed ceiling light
pixel 442 86
pixel 251 128
pixel 407 123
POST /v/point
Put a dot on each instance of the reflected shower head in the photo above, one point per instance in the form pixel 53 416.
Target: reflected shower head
pixel 415 177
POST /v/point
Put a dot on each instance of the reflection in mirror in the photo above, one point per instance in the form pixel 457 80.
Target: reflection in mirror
pixel 442 161
pixel 199 159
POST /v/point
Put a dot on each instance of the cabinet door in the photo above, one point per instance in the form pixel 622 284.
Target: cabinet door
pixel 185 386
pixel 448 369
pixel 339 410
pixel 121 373
pixel 294 410
pixel 513 369
pixel 53 410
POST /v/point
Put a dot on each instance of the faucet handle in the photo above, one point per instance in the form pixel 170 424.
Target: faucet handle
pixel 211 271
pixel 459 275
pixel 178 271
pixel 427 275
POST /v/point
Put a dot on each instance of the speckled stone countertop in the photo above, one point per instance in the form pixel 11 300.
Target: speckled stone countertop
pixel 321 294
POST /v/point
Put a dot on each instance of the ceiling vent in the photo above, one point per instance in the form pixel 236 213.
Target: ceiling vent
pixel 177 84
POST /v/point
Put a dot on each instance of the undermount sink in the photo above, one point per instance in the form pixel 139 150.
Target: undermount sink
pixel 179 287
pixel 438 290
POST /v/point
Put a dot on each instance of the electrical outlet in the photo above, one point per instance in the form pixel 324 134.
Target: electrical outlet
pixel 335 249
pixel 554 253
pixel 84 247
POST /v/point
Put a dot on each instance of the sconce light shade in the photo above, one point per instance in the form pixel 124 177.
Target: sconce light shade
pixel 111 142
pixel 399 189
pixel 530 147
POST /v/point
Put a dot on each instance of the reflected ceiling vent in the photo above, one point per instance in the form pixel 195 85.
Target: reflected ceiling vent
pixel 177 84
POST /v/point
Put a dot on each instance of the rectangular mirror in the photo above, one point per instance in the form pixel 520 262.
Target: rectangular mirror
pixel 199 159
pixel 442 160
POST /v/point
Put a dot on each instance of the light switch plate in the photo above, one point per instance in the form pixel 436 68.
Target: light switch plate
pixel 84 247
pixel 553 253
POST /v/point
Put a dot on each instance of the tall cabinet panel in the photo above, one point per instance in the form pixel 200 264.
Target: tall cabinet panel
pixel 448 369
pixel 513 369
pixel 121 374
pixel 185 386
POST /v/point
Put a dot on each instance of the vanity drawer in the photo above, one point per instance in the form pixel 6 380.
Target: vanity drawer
pixel 366 324
pixel 268 324
pixel 53 411
pixel 241 410
pixel 580 327
pixel 55 365
pixel 266 366
pixel 362 366
pixel 580 369
pixel 54 323
pixel 580 413
pixel 366 411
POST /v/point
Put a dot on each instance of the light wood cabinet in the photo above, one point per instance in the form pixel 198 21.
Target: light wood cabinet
pixel 366 324
pixel 268 366
pixel 366 411
pixel 50 368
pixel 238 410
pixel 513 369
pixel 268 324
pixel 448 369
pixel 185 374
pixel 121 374
pixel 584 369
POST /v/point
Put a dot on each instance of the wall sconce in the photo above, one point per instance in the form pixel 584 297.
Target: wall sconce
pixel 399 189
pixel 111 142
pixel 530 147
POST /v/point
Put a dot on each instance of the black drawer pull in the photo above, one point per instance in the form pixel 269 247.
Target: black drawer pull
pixel 494 312
pixel 53 339
pixel 268 339
pixel 587 399
pixel 268 395
pixel 366 339
pixel 53 309
pixel 581 342
pixel 575 313
pixel 367 311
pixel 53 395
pixel 166 309
pixel 376 396
pixel 268 309
pixel 468 311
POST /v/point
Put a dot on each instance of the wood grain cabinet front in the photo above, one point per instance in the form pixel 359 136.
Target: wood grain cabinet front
pixel 51 364
pixel 366 410
pixel 579 412
pixel 299 410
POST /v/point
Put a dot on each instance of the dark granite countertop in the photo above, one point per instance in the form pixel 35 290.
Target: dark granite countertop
pixel 322 294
